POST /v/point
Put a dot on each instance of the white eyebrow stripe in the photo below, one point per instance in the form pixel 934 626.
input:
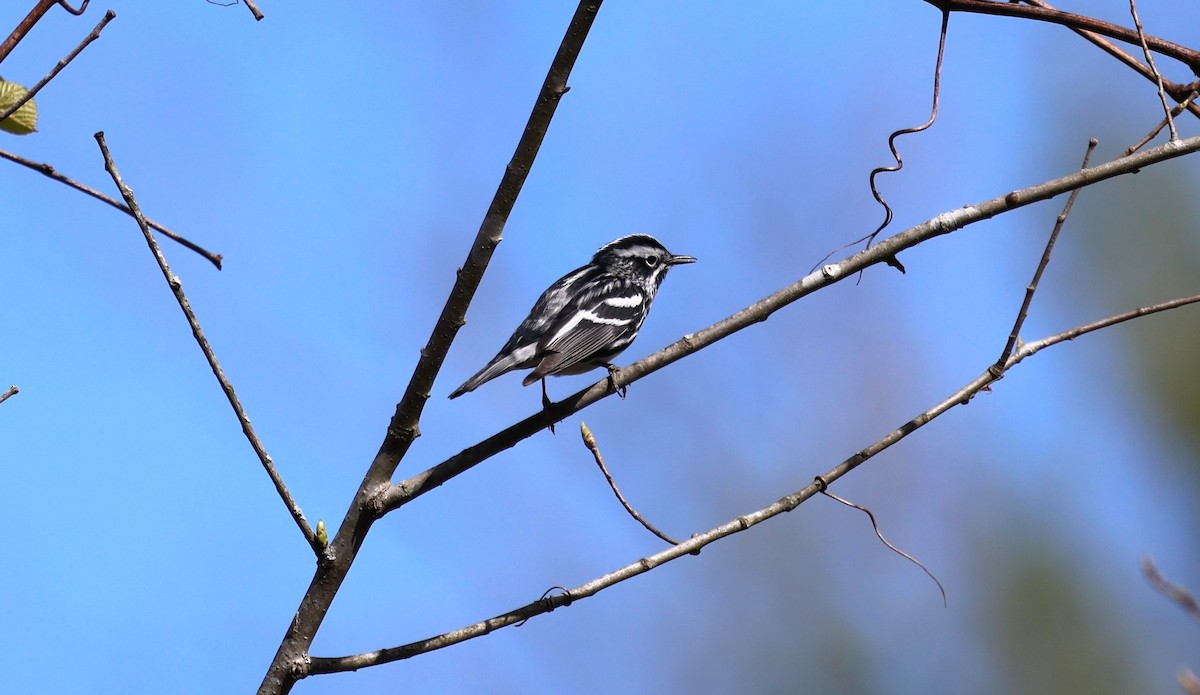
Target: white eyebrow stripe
pixel 624 302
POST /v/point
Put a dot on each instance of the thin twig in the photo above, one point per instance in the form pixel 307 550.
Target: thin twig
pixel 888 215
pixel 315 665
pixel 287 666
pixel 1158 78
pixel 24 26
pixel 63 4
pixel 176 286
pixel 258 15
pixel 396 495
pixel 95 34
pixel 12 391
pixel 1178 595
pixel 1031 288
pixel 48 170
pixel 1177 91
pixel 1044 13
pixel 1187 103
pixel 590 442
pixel 1029 349
pixel 879 534
pixel 933 112
pixel 1189 682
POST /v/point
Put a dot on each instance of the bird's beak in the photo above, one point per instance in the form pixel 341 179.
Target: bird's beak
pixel 680 260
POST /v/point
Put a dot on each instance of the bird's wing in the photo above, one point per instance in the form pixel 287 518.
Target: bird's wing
pixel 522 348
pixel 595 327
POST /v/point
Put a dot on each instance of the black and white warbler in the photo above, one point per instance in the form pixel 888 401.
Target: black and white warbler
pixel 587 317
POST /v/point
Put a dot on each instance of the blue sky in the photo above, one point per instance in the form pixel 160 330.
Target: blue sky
pixel 341 157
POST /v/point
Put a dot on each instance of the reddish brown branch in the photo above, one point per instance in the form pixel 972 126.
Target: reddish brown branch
pixel 1078 22
pixel 24 26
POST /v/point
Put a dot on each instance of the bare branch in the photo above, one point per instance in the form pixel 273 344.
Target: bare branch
pixel 1045 13
pixel 176 286
pixel 1178 595
pixel 1158 78
pixel 879 534
pixel 933 112
pixel 693 545
pixel 63 4
pixel 1177 91
pixel 590 442
pixel 289 663
pixel 1033 348
pixel 12 391
pixel 50 171
pixel 258 15
pixel 1189 682
pixel 1015 334
pixel 887 209
pixel 398 494
pixel 95 34
pixel 1189 103
pixel 24 26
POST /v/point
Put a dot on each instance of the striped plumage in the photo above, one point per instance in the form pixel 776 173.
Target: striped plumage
pixel 588 316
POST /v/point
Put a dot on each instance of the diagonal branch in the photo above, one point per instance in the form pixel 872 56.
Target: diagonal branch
pixel 879 534
pixel 694 544
pixel 289 660
pixel 95 34
pixel 1015 335
pixel 589 441
pixel 177 289
pixel 1177 593
pixel 1177 91
pixel 24 26
pixel 12 391
pixel 398 494
pixel 1157 76
pixel 1077 22
pixel 258 15
pixel 50 171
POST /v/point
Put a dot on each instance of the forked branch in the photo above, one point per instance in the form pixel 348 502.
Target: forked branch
pixel 49 171
pixel 176 286
pixel 693 545
pixel 1078 22
pixel 289 663
pixel 399 494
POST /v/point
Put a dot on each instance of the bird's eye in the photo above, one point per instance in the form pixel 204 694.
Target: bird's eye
pixel 651 261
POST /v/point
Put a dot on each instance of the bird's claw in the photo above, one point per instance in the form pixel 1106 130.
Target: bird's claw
pixel 613 386
pixel 547 406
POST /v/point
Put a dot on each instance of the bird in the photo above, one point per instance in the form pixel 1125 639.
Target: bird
pixel 587 317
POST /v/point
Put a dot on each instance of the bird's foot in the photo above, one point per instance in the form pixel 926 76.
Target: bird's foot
pixel 613 386
pixel 547 406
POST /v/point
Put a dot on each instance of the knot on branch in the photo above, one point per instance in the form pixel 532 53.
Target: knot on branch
pixel 300 666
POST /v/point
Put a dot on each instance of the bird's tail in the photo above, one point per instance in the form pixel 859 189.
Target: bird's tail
pixel 502 363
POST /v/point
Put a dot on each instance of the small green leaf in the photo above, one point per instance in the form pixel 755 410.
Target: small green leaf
pixel 24 121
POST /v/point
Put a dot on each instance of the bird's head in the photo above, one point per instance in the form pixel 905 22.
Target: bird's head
pixel 639 258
